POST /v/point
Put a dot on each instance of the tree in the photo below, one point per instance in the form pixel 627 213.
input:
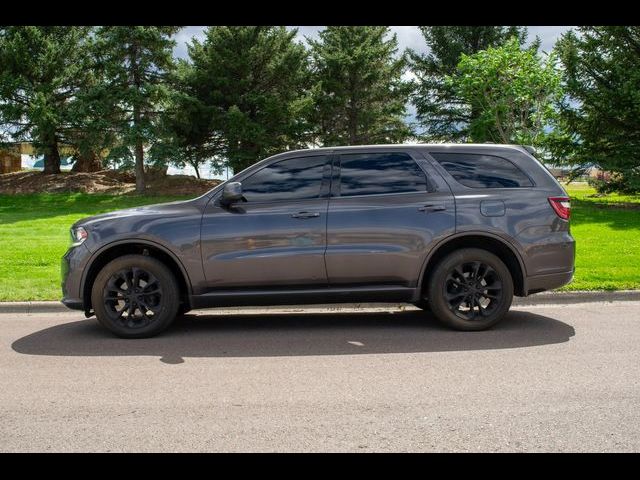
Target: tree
pixel 42 71
pixel 185 133
pixel 442 114
pixel 359 94
pixel 135 61
pixel 249 90
pixel 601 118
pixel 514 92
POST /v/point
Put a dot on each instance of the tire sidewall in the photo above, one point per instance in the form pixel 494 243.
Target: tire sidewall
pixel 437 282
pixel 170 301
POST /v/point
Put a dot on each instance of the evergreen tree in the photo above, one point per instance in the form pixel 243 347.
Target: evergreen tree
pixel 441 112
pixel 359 94
pixel 186 136
pixel 135 61
pixel 248 89
pixel 43 70
pixel 601 119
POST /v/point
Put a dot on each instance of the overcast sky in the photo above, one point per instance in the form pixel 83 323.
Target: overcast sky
pixel 408 37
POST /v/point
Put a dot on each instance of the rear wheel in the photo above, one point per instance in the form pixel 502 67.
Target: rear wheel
pixel 135 296
pixel 470 289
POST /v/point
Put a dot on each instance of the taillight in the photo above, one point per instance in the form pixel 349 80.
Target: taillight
pixel 562 206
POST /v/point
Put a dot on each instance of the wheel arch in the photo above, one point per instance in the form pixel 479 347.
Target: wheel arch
pixel 492 243
pixel 140 247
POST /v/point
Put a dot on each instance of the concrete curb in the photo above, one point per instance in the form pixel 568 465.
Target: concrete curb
pixel 559 298
pixel 545 298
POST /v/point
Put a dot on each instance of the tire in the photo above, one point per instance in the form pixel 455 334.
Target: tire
pixel 155 302
pixel 470 290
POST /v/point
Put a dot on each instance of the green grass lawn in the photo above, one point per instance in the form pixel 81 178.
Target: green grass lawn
pixel 607 233
pixel 34 234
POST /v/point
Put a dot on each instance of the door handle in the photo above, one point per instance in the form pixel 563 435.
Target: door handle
pixel 433 207
pixel 305 215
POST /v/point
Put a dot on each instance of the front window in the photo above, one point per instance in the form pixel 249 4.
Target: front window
pixel 292 179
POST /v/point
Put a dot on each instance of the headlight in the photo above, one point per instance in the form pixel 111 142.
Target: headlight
pixel 78 235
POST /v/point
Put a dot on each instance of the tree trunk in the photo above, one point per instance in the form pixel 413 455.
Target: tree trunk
pixel 140 186
pixel 195 167
pixel 89 162
pixel 51 156
pixel 138 147
pixel 352 113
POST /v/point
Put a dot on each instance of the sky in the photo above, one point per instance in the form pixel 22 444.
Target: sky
pixel 408 37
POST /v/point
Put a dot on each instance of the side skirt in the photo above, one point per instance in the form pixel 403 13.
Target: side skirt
pixel 263 297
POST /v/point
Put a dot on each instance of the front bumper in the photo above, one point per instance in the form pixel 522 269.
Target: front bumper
pixel 72 266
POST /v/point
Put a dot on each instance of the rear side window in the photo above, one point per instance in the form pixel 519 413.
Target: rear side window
pixel 292 179
pixel 377 173
pixel 482 171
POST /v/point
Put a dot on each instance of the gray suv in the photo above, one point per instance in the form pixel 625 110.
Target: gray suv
pixel 454 229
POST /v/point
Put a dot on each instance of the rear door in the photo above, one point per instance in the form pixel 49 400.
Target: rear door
pixel 387 209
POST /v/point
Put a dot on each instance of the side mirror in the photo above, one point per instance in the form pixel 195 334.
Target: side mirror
pixel 232 193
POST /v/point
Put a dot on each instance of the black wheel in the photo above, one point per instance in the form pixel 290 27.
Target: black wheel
pixel 135 296
pixel 470 289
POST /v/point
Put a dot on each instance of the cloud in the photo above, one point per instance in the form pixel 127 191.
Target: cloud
pixel 548 36
pixel 408 37
pixel 184 37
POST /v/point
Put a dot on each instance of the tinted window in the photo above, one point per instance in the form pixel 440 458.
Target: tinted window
pixel 292 179
pixel 482 171
pixel 369 174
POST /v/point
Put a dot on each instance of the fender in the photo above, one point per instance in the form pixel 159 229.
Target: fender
pixel 476 233
pixel 151 243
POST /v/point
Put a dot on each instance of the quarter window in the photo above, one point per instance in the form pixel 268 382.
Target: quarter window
pixel 377 173
pixel 292 179
pixel 482 171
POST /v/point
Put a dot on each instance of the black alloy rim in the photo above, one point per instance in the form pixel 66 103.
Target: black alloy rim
pixel 473 290
pixel 133 297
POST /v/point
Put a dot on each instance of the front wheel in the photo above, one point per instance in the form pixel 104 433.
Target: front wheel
pixel 135 296
pixel 470 289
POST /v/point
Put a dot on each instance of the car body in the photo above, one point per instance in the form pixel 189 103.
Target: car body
pixel 342 224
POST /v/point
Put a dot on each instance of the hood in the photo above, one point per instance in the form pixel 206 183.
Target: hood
pixel 158 209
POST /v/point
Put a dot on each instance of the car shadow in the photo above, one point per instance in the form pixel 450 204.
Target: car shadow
pixel 295 334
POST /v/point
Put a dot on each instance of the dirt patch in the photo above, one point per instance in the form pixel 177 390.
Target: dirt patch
pixel 106 182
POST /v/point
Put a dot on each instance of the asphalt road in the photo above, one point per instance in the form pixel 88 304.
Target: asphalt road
pixel 549 378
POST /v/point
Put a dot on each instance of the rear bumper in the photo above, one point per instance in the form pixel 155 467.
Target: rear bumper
pixel 540 283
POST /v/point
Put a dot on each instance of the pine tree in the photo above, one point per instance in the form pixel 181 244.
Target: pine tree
pixel 359 94
pixel 248 88
pixel 443 115
pixel 43 70
pixel 601 123
pixel 135 61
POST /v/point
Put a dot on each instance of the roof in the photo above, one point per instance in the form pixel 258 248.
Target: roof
pixel 438 146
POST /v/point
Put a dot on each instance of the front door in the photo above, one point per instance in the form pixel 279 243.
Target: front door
pixel 277 238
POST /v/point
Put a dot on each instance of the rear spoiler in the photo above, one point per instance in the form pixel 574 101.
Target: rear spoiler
pixel 530 149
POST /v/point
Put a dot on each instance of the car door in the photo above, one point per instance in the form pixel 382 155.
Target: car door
pixel 277 238
pixel 387 210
